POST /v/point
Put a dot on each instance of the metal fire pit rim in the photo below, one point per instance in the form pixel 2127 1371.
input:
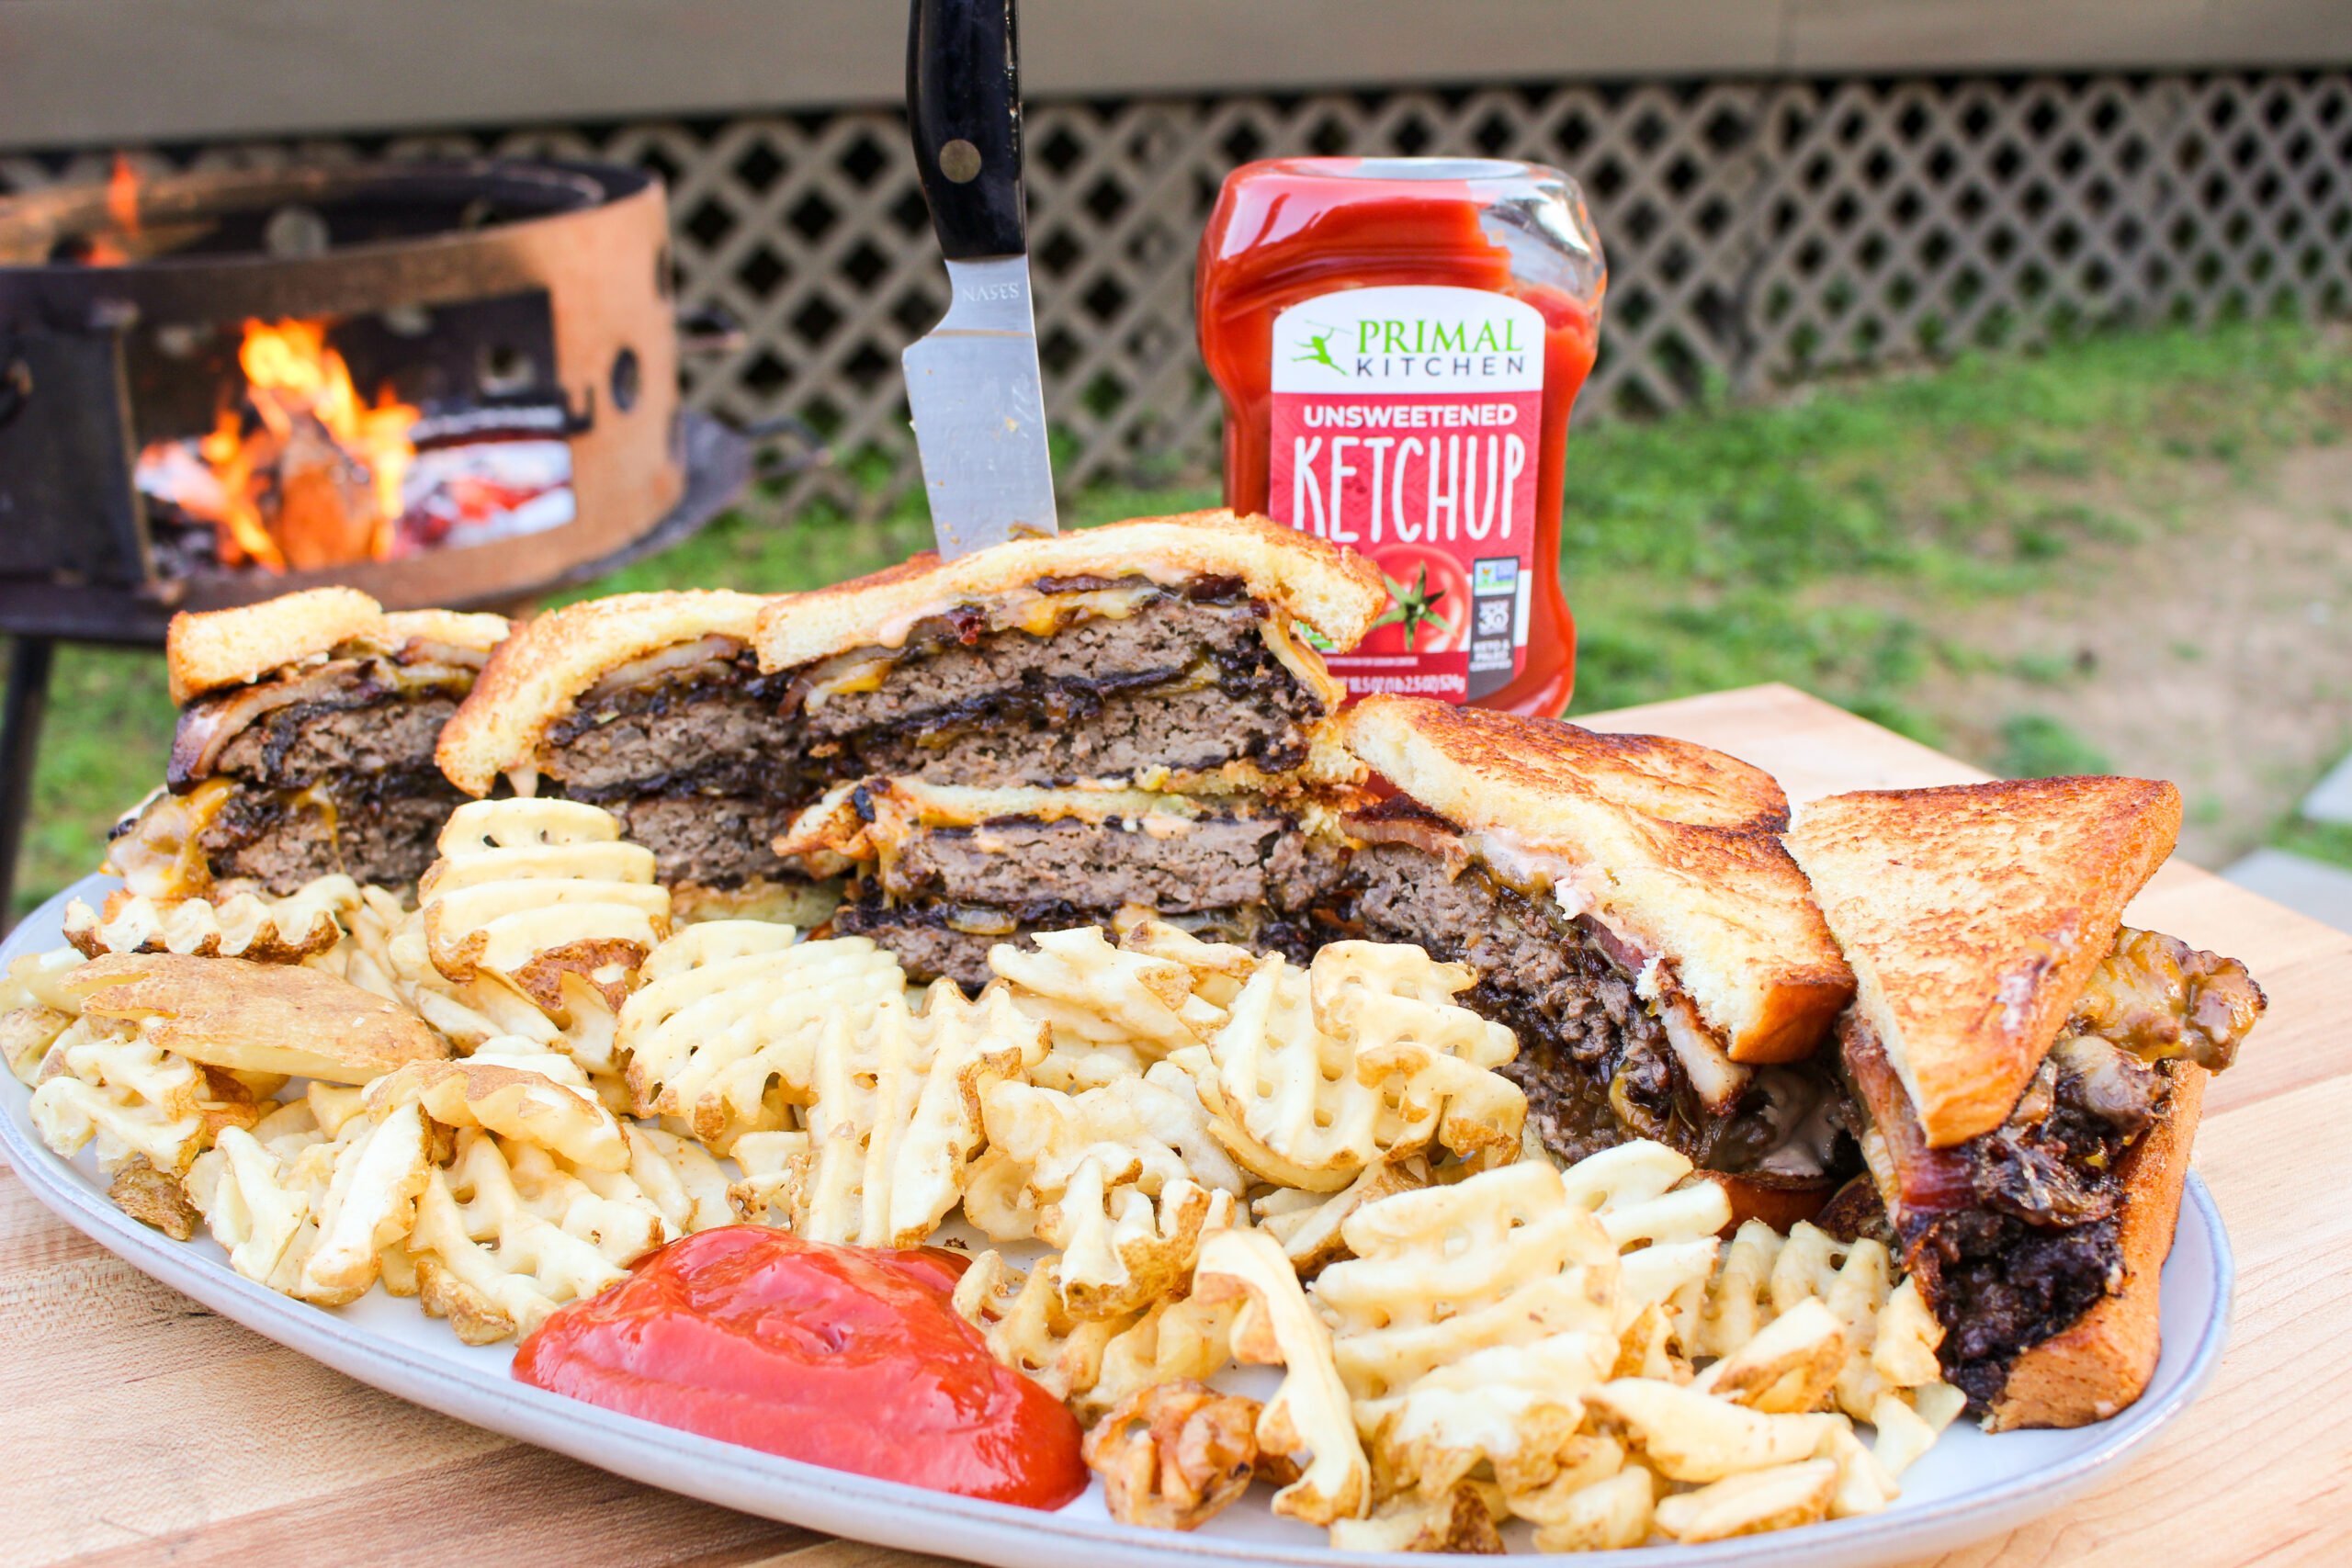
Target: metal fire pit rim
pixel 593 184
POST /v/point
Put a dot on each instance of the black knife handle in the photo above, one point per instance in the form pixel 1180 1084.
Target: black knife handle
pixel 963 108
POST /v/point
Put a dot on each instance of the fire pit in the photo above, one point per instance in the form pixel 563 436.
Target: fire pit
pixel 220 386
pixel 451 384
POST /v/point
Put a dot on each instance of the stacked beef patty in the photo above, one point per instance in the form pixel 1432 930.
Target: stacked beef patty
pixel 305 745
pixel 1110 744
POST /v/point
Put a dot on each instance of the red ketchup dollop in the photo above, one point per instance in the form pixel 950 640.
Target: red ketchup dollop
pixel 846 1357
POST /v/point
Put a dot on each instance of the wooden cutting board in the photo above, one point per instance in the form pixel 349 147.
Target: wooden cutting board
pixel 137 1426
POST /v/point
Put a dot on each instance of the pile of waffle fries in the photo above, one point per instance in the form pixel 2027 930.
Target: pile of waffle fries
pixel 1187 1158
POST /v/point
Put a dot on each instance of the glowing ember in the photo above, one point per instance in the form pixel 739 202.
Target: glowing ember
pixel 303 474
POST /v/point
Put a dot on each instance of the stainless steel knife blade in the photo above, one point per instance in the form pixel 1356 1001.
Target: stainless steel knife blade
pixel 979 410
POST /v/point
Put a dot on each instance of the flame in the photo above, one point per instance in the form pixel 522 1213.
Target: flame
pixel 112 247
pixel 293 378
pixel 122 196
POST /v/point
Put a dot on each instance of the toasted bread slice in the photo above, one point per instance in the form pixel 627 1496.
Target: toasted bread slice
pixel 1334 591
pixel 1684 837
pixel 1973 916
pixel 209 651
pixel 475 631
pixel 544 666
pixel 2102 1361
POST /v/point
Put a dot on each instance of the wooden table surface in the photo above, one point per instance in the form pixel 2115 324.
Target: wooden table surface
pixel 136 1426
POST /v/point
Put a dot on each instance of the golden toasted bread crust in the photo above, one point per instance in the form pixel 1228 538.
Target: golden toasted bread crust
pixel 206 650
pixel 1335 591
pixel 1685 835
pixel 475 632
pixel 543 666
pixel 1482 769
pixel 1973 916
pixel 2103 1361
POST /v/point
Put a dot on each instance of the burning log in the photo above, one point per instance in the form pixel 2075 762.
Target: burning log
pixel 302 475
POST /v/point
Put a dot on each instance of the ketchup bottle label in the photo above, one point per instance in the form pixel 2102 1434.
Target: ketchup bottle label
pixel 1407 425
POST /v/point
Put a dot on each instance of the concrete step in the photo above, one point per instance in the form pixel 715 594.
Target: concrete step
pixel 2307 886
pixel 2331 799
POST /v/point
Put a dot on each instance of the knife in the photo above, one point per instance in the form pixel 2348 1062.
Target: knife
pixel 972 381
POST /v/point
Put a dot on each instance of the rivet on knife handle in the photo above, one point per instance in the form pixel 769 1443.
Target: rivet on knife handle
pixel 964 100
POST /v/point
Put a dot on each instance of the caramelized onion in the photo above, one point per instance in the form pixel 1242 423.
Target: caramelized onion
pixel 209 723
pixel 1432 835
pixel 712 656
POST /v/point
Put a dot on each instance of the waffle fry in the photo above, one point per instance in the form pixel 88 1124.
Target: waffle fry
pixel 1854 1282
pixel 370 1203
pixel 1393 1007
pixel 1864 1484
pixel 489 1260
pixel 1791 1365
pixel 1174 1455
pixel 1776 1499
pixel 1908 1423
pixel 246 925
pixel 529 890
pixel 1887 1337
pixel 155 1198
pixel 723 1034
pixel 27 1034
pixel 1176 1341
pixel 515 1092
pixel 1092 993
pixel 1513 1412
pixel 101 1083
pixel 674 1177
pixel 1126 1178
pixel 892 1117
pixel 254 1018
pixel 1309 1224
pixel 242 1188
pixel 1216 970
pixel 1498 1259
pixel 310 1218
pixel 1586 1512
pixel 1463 1521
pixel 1688 1435
pixel 1316 1074
pixel 1075 1067
pixel 1027 1326
pixel 1902 1351
pixel 1739 1301
pixel 1310 1411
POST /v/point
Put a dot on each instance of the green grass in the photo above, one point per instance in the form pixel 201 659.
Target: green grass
pixel 2036 746
pixel 1810 540
pixel 2329 842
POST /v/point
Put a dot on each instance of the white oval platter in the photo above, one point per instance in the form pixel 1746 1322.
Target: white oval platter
pixel 1971 1486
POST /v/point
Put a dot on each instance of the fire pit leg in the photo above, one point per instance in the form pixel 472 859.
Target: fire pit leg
pixel 21 716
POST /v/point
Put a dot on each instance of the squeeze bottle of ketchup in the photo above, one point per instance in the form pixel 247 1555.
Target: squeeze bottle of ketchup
pixel 1399 341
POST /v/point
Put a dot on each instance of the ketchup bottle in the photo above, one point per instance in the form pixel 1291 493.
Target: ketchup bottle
pixel 1399 341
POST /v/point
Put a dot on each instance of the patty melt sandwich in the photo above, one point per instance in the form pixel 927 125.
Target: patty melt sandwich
pixel 304 745
pixel 653 705
pixel 2028 1069
pixel 1632 918
pixel 1036 735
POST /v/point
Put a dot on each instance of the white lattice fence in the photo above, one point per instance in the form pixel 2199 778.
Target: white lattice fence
pixel 1756 232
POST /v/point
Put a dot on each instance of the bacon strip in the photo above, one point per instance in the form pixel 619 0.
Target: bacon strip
pixel 1929 1181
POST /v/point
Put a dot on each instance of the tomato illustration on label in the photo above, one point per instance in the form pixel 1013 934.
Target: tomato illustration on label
pixel 1405 425
pixel 1428 602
